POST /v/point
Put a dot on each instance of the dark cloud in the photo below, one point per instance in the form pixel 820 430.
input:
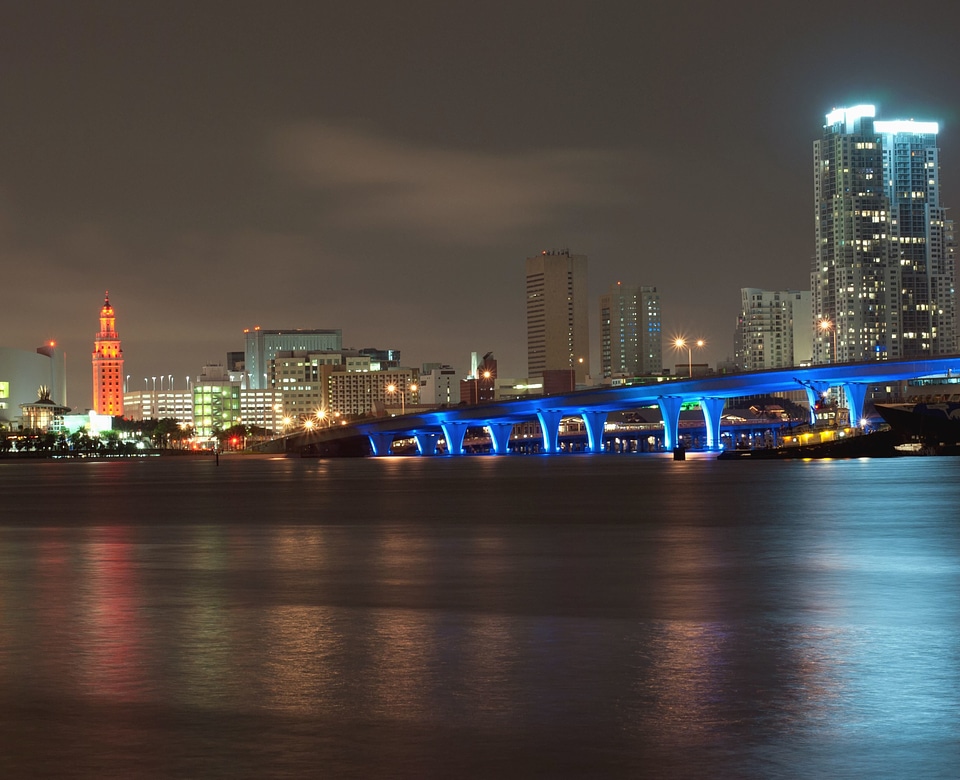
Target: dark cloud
pixel 386 168
pixel 444 195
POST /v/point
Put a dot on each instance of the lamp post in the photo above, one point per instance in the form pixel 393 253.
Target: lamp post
pixel 485 375
pixel 826 325
pixel 681 343
pixel 393 389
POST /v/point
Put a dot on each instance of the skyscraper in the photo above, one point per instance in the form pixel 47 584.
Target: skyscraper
pixel 882 281
pixel 630 331
pixel 923 318
pixel 558 328
pixel 107 364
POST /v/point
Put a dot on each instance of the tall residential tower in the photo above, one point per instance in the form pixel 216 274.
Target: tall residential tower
pixel 882 281
pixel 107 364
pixel 558 329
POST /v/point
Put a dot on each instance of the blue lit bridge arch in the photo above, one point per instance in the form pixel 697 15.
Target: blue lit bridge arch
pixel 595 404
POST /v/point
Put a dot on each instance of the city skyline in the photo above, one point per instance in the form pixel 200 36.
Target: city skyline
pixel 386 172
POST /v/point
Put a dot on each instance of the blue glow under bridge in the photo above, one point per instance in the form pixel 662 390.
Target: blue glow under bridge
pixel 593 406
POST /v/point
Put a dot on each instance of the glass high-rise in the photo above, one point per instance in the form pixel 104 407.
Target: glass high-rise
pixel 882 281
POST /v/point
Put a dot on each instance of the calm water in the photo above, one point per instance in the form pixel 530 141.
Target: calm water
pixel 579 616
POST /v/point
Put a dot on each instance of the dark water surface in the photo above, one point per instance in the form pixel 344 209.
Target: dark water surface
pixel 579 616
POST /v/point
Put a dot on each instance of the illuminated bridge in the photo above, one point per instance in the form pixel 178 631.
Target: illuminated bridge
pixel 593 406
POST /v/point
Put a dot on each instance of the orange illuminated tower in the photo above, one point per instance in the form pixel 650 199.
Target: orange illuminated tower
pixel 107 364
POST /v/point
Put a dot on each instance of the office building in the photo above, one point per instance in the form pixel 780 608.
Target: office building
pixel 439 385
pixel 261 346
pixel 558 331
pixel 773 329
pixel 630 332
pixel 107 364
pixel 882 282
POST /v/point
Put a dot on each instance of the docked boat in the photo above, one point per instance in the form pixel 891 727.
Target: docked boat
pixel 934 424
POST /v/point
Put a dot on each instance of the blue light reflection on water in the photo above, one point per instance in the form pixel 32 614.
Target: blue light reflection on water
pixel 509 616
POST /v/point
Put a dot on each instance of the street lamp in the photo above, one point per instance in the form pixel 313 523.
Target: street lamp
pixel 826 325
pixel 393 389
pixel 681 343
pixel 485 375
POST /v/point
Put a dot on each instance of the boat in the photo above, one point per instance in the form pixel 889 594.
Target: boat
pixel 933 424
pixel 880 444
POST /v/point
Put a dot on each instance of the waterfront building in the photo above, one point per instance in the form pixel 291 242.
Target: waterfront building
pixel 159 405
pixel 630 331
pixel 558 330
pixel 773 329
pixel 216 402
pixel 358 393
pixel 261 346
pixel 22 374
pixel 296 376
pixel 923 312
pixel 439 385
pixel 107 364
pixel 882 281
pixel 43 414
pixel 262 408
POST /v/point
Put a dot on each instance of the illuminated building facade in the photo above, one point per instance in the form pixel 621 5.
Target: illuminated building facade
pixel 107 364
pixel 216 402
pixel 882 281
pixel 159 405
pixel 773 330
pixel 558 328
pixel 630 332
pixel 262 346
pixel 354 393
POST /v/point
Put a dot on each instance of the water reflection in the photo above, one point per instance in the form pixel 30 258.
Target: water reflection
pixel 575 617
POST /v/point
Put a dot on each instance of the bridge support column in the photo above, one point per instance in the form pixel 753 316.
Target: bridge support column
pixel 712 412
pixel 856 395
pixel 594 422
pixel 815 391
pixel 380 443
pixel 426 443
pixel 454 432
pixel 670 412
pixel 550 426
pixel 500 436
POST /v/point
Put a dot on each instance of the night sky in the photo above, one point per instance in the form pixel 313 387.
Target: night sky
pixel 385 168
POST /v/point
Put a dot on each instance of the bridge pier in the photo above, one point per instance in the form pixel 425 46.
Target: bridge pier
pixel 427 443
pixel 815 391
pixel 454 432
pixel 380 443
pixel 856 394
pixel 500 436
pixel 550 426
pixel 670 412
pixel 595 422
pixel 712 412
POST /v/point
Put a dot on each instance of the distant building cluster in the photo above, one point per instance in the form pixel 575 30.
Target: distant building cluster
pixel 883 286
